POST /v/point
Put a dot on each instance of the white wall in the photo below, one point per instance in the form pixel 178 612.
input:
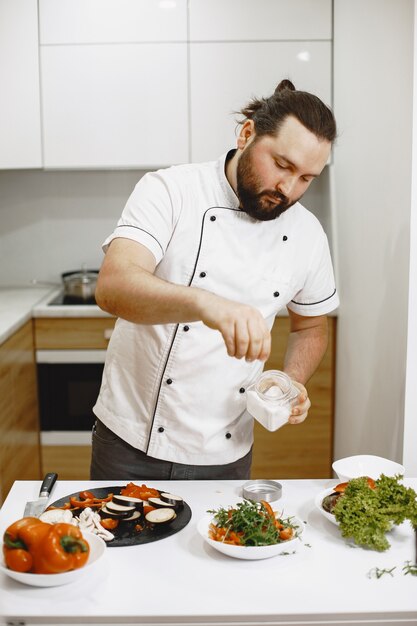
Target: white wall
pixel 373 55
pixel 410 413
pixel 54 221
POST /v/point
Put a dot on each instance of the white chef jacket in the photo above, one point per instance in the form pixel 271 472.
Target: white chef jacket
pixel 171 390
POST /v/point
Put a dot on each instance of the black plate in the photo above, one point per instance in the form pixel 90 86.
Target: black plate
pixel 125 534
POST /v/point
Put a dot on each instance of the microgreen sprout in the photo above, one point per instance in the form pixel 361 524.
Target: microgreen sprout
pixel 410 568
pixel 377 572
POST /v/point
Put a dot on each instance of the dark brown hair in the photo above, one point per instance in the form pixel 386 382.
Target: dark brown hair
pixel 268 114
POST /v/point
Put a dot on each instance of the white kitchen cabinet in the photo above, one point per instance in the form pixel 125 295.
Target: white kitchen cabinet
pixel 114 83
pixel 112 21
pixel 260 20
pixel 149 83
pixel 20 134
pixel 225 75
pixel 116 106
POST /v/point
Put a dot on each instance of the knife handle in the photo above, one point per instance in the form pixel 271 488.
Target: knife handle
pixel 47 484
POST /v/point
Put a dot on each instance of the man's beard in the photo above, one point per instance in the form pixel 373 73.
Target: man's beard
pixel 261 205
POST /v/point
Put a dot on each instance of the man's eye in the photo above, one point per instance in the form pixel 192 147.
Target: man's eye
pixel 280 166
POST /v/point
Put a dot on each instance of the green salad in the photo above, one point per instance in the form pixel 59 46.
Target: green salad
pixel 366 514
pixel 251 523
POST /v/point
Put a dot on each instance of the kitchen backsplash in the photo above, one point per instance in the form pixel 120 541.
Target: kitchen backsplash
pixel 54 221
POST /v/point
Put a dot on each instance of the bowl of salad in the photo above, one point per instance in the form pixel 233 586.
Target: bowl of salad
pixel 251 530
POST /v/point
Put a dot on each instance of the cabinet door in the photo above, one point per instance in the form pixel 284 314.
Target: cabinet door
pixel 20 135
pixel 112 21
pixel 300 450
pixel 223 76
pixel 73 333
pixel 246 20
pixel 114 105
pixel 19 423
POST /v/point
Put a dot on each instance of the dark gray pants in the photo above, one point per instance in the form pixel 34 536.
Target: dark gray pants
pixel 114 459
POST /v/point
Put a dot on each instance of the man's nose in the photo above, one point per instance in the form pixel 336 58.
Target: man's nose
pixel 286 185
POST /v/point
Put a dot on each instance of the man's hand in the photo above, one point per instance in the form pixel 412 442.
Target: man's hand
pixel 128 288
pixel 302 404
pixel 243 328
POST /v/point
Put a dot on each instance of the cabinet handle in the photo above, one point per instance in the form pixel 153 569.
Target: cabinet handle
pixel 108 333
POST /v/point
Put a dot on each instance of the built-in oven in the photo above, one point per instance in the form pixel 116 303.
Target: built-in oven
pixel 69 379
pixel 68 385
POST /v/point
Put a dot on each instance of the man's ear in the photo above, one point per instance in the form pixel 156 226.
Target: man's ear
pixel 247 131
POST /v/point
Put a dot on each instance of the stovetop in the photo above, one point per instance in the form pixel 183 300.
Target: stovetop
pixel 62 298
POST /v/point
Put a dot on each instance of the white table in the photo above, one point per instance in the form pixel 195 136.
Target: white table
pixel 181 580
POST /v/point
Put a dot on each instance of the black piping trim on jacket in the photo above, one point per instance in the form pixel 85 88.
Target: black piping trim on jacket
pixel 177 326
pixel 312 303
pixel 144 231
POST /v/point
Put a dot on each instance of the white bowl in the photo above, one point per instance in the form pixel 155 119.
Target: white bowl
pixel 365 465
pixel 318 502
pixel 250 552
pixel 97 550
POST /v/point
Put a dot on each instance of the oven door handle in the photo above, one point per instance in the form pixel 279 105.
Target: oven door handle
pixel 70 356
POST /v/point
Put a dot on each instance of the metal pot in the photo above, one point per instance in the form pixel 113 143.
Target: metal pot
pixel 80 285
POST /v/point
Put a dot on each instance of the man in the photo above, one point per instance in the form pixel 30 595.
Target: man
pixel 201 261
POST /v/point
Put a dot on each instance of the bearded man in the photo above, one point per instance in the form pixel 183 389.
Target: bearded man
pixel 201 261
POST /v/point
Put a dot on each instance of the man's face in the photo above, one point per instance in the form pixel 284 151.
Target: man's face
pixel 274 171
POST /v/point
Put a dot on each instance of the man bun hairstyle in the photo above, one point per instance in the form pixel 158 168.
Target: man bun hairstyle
pixel 268 114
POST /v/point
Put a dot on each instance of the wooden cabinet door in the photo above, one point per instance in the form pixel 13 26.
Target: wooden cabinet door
pixel 73 333
pixel 19 418
pixel 300 450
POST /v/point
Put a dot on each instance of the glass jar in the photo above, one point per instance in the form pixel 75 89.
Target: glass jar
pixel 270 399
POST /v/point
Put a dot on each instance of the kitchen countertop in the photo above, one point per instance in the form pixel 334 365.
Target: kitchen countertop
pixel 16 305
pixel 20 304
pixel 182 580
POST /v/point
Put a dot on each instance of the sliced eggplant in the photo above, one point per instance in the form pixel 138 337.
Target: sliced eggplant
pixel 106 512
pixel 159 504
pixel 172 499
pixel 128 501
pixel 160 516
pixel 120 508
pixel 135 515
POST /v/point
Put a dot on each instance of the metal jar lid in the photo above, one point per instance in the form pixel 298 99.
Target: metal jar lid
pixel 260 489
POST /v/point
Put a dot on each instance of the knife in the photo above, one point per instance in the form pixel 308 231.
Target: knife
pixel 37 507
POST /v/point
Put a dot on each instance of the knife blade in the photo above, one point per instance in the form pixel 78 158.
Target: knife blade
pixel 37 507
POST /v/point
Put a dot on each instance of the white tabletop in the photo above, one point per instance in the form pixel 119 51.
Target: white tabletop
pixel 182 580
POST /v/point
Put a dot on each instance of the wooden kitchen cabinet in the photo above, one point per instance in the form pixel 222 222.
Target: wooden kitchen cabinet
pixel 299 451
pixel 69 333
pixel 19 418
pixel 302 450
pixel 71 462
